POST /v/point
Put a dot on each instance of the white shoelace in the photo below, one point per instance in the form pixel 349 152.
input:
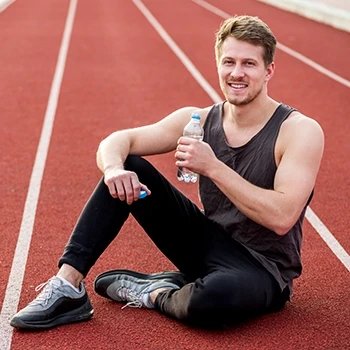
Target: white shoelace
pixel 46 293
pixel 127 295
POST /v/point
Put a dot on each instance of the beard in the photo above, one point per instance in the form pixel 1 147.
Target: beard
pixel 242 100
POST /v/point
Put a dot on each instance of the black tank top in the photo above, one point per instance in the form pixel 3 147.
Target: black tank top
pixel 255 162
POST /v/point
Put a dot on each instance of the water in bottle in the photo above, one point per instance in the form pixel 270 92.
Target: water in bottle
pixel 192 129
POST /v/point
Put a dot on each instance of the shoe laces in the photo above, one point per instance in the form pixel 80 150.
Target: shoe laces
pixel 133 300
pixel 46 293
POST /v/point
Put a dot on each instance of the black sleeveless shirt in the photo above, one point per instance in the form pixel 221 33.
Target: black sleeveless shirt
pixel 255 162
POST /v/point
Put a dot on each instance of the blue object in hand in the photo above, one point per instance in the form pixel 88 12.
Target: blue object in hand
pixel 143 194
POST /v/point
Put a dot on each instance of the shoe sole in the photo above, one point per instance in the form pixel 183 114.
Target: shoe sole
pixel 177 277
pixel 78 315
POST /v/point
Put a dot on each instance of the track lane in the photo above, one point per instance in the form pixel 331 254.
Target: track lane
pixel 38 45
pixel 89 98
pixel 24 99
pixel 106 81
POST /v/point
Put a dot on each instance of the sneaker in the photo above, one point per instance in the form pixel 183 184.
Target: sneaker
pixel 57 304
pixel 134 287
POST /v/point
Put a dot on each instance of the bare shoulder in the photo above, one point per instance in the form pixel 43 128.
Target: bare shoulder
pixel 301 136
pixel 299 125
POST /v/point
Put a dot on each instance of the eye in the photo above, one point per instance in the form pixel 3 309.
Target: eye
pixel 227 62
pixel 250 63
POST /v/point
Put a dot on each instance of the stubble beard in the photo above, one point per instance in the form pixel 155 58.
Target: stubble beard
pixel 237 101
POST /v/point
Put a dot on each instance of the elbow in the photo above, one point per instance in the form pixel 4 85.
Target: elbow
pixel 282 227
pixel 283 219
pixel 281 231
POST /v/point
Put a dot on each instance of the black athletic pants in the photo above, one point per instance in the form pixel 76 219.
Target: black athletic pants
pixel 226 283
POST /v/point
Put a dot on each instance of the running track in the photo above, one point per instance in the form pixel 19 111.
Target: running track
pixel 74 71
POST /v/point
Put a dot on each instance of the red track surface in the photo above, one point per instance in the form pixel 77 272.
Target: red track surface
pixel 120 73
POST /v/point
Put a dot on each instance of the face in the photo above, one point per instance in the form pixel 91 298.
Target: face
pixel 242 72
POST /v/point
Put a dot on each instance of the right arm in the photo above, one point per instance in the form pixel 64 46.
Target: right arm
pixel 157 138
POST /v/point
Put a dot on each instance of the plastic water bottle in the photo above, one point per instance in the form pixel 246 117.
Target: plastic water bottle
pixel 192 129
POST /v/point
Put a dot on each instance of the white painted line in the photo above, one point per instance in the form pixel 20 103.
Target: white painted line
pixel 14 285
pixel 330 240
pixel 4 4
pixel 178 52
pixel 283 48
pixel 314 65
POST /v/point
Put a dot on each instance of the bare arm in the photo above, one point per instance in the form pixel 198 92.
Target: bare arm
pixel 299 151
pixel 157 138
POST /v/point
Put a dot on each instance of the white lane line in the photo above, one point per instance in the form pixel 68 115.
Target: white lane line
pixel 320 228
pixel 283 48
pixel 14 285
pixel 4 4
pixel 314 65
pixel 330 240
pixel 178 52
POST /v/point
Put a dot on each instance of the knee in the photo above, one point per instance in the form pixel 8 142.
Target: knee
pixel 137 164
pixel 144 170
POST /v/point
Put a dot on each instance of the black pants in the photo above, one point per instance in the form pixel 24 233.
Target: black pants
pixel 226 283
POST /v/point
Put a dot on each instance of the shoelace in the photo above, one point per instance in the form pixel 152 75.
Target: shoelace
pixel 46 293
pixel 132 299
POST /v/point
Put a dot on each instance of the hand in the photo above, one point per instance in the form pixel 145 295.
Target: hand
pixel 194 155
pixel 124 184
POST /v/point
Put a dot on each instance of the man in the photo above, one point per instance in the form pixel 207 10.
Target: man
pixel 238 257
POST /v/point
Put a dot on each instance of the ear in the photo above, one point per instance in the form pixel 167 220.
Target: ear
pixel 269 71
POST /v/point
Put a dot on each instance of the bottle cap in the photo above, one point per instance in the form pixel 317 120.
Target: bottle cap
pixel 195 116
pixel 143 194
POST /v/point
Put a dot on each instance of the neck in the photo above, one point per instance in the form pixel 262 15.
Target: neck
pixel 252 114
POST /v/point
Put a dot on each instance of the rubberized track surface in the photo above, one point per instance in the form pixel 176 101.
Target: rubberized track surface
pixel 121 71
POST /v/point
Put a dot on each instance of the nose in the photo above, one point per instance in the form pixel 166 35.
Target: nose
pixel 237 71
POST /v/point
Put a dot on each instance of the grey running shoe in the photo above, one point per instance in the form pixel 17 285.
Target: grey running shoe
pixel 57 304
pixel 132 287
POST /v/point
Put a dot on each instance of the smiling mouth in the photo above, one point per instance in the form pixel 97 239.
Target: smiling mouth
pixel 238 86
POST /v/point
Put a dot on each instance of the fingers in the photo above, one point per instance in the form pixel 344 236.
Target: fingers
pixel 125 186
pixel 111 187
pixel 185 140
pixel 184 152
pixel 181 150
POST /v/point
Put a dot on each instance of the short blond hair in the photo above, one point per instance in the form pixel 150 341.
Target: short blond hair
pixel 250 29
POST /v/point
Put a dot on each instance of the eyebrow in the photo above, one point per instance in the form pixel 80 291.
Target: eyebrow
pixel 241 59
